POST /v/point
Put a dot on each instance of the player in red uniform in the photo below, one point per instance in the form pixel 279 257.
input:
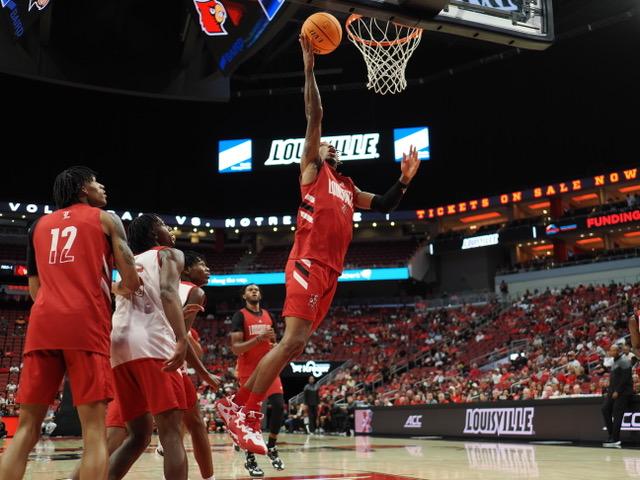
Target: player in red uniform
pixel 194 276
pixel 252 337
pixel 324 231
pixel 70 256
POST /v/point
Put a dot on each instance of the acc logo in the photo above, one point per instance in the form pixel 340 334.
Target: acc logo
pixel 631 422
pixel 414 421
pixel 212 16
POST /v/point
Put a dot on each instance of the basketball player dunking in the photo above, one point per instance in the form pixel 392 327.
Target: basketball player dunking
pixel 252 337
pixel 324 231
pixel 69 262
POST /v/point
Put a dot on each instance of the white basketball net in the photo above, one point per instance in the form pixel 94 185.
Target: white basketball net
pixel 386 48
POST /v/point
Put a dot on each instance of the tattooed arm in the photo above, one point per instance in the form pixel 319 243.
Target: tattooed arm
pixel 125 262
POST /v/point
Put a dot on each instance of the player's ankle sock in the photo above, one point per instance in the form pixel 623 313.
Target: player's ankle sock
pixel 272 442
pixel 212 477
pixel 254 402
pixel 242 396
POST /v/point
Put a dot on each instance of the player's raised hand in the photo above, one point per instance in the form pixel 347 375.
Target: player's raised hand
pixel 307 52
pixel 192 308
pixel 213 381
pixel 410 164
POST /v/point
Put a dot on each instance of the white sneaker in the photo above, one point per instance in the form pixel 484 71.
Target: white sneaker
pixel 226 408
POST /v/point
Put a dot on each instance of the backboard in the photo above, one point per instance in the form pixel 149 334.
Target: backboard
pixel 519 23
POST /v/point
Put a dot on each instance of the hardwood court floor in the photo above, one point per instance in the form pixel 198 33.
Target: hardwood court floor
pixel 364 458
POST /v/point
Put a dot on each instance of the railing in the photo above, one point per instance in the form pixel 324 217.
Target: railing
pixel 477 298
pixel 491 357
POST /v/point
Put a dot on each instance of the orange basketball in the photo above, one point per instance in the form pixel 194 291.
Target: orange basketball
pixel 324 31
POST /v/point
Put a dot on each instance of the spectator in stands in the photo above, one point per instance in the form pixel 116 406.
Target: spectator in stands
pixel 618 395
pixel 294 420
pixel 324 415
pixel 573 361
pixel 11 387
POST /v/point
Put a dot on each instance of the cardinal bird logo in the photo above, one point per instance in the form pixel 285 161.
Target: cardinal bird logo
pixel 212 15
pixel 313 301
pixel 39 4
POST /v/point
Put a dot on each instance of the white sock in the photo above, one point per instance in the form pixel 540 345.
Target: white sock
pixel 212 477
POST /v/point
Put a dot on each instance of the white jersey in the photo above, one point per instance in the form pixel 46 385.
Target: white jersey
pixel 140 327
pixel 185 289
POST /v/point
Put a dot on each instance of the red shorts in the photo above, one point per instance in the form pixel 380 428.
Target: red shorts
pixel 190 391
pixel 310 290
pixel 275 388
pixel 89 375
pixel 114 416
pixel 142 386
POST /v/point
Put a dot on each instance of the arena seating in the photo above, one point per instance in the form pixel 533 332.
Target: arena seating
pixel 412 354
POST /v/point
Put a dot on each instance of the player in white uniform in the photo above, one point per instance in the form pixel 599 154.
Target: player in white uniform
pixel 148 346
pixel 194 275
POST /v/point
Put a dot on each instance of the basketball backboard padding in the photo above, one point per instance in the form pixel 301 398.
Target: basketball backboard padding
pixel 527 25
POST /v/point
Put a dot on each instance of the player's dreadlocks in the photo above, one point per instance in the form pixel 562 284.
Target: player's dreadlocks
pixel 69 183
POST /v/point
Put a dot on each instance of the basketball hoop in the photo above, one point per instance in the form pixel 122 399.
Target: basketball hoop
pixel 386 48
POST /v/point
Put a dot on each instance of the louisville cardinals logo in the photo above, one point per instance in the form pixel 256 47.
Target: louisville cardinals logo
pixel 313 301
pixel 212 14
pixel 39 4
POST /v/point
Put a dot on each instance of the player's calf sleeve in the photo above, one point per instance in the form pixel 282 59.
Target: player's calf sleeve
pixel 277 415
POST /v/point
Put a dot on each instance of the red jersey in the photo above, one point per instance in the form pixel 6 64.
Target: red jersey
pixel 325 219
pixel 72 257
pixel 194 334
pixel 251 324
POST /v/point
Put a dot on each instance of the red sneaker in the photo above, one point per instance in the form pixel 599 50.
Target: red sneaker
pixel 246 431
pixel 226 409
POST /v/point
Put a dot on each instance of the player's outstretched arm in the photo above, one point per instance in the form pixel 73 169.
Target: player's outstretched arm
pixel 313 110
pixel 125 261
pixel 171 265
pixel 193 360
pixel 391 199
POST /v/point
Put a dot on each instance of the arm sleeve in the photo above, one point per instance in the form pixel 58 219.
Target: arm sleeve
pixel 32 265
pixel 390 200
pixel 237 322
